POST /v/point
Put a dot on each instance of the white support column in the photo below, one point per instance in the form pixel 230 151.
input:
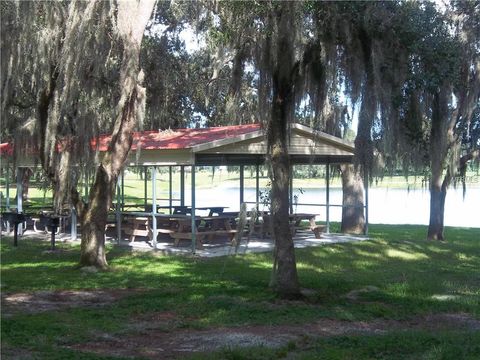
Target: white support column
pixel 194 235
pixel 257 187
pixel 327 194
pixel 170 189
pixel 145 181
pixel 290 188
pixel 123 190
pixel 118 217
pixel 20 172
pixel 365 174
pixel 7 189
pixel 154 206
pixel 73 224
pixel 182 185
pixel 7 203
pixel 242 185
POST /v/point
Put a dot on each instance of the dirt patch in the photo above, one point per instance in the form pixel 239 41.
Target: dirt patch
pixel 163 321
pixel 155 341
pixel 160 344
pixel 163 334
pixel 40 301
pixel 15 353
pixel 354 295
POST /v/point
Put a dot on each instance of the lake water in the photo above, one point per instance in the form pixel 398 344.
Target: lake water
pixel 387 206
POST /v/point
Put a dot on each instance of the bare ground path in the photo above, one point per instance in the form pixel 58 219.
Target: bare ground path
pixel 155 343
pixel 156 335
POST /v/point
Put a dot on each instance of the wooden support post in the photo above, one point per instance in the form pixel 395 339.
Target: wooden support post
pixel 194 235
pixel 154 207
pixel 242 184
pixel 182 185
pixel 327 194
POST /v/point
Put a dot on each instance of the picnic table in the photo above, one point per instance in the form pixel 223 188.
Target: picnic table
pixel 188 209
pixel 265 226
pixel 219 225
pixel 297 218
pixel 179 226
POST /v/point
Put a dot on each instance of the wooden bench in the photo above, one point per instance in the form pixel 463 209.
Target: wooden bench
pixel 200 236
pixel 177 236
pixel 231 233
pixel 110 225
pixel 317 230
pixel 139 227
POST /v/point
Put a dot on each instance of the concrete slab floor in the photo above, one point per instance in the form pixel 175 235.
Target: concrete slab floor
pixel 217 247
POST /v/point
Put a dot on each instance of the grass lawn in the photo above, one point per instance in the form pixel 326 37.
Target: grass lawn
pixel 397 281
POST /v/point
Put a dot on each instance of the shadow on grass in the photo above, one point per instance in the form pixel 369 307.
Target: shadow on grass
pixel 395 345
pixel 406 276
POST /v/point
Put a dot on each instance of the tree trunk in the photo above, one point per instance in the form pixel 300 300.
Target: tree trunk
pixel 353 218
pixel 102 191
pixel 284 276
pixel 130 105
pixel 27 174
pixel 94 221
pixel 438 155
pixel 437 210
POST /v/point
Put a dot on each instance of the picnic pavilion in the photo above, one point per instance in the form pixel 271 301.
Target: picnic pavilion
pixel 238 145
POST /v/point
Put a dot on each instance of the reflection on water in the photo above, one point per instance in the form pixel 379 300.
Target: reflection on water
pixel 387 206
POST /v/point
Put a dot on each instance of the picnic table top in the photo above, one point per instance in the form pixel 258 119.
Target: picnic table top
pixel 176 216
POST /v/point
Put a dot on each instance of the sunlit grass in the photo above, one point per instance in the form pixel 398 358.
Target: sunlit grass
pixel 405 255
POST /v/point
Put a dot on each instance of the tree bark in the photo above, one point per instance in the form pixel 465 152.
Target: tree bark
pixel 437 211
pixel 103 188
pixel 353 216
pixel 27 174
pixel 284 276
pixel 132 18
pixel 439 144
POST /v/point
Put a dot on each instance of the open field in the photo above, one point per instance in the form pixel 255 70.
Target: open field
pixel 396 296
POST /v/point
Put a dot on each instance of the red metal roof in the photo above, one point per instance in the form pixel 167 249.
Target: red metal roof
pixel 181 138
pixel 6 149
pixel 168 139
